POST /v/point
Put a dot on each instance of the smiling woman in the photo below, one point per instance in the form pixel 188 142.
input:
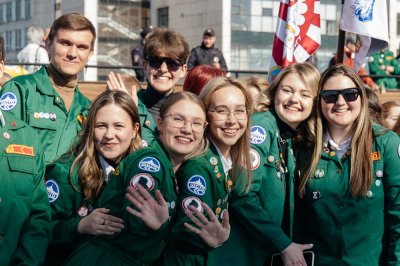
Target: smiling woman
pixel 77 179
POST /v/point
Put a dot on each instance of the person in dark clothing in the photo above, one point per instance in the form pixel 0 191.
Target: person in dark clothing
pixel 137 54
pixel 206 53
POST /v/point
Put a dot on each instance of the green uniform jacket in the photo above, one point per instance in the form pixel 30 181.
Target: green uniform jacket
pixel 257 217
pixel 385 58
pixel 33 99
pixel 347 230
pixel 24 208
pixel 200 179
pixel 136 244
pixel 147 123
pixel 68 207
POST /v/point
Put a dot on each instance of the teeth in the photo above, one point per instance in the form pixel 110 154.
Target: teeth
pixel 182 139
pixel 163 78
pixel 230 131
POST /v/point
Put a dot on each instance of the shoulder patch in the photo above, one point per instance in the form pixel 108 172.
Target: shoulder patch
pixel 149 164
pixel 192 201
pixel 143 179
pixel 257 134
pixel 52 190
pixel 197 185
pixel 8 101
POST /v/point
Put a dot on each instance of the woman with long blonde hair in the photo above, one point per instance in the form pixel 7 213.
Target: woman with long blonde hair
pixel 350 182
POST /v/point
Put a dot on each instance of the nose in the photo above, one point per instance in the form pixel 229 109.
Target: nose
pixel 187 127
pixel 340 100
pixel 109 133
pixel 231 117
pixel 72 51
pixel 164 67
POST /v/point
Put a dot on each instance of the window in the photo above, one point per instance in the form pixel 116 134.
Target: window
pixel 331 27
pixel 267 12
pixel 18 39
pixel 18 9
pixel 8 11
pixel 28 9
pixel 1 13
pixel 398 24
pixel 8 41
pixel 162 17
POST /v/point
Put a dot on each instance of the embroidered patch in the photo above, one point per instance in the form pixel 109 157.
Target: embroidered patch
pixel 8 101
pixel 149 164
pixel 143 179
pixel 197 185
pixel 257 134
pixel 255 159
pixel 52 190
pixel 192 201
pixel 20 149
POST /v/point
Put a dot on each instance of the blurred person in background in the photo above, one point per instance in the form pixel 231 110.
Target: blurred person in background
pixel 198 77
pixel 137 54
pixel 390 113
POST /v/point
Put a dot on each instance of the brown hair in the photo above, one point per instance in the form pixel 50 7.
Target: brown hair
pixel 262 102
pixel 181 96
pixel 90 173
pixel 386 106
pixel 72 21
pixel 167 41
pixel 374 106
pixel 240 151
pixel 361 144
pixel 2 51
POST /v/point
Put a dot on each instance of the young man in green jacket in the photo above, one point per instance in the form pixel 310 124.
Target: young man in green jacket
pixel 49 100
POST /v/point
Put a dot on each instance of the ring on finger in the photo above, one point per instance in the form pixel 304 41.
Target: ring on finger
pixel 104 222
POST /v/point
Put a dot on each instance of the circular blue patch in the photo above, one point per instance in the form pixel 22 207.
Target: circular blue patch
pixel 257 134
pixel 149 164
pixel 8 101
pixel 52 190
pixel 197 185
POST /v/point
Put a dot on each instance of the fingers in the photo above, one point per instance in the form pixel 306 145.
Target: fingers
pixel 199 215
pixel 102 210
pixel 306 246
pixel 145 195
pixel 159 198
pixel 210 212
pixel 194 219
pixel 225 221
pixel 192 228
pixel 134 212
pixel 129 196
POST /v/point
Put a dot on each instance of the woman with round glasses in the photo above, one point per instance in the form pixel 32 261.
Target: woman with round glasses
pixel 208 179
pixel 349 204
pixel 181 127
pixel 261 219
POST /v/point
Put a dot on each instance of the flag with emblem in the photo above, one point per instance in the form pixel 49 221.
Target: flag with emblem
pixel 368 19
pixel 297 34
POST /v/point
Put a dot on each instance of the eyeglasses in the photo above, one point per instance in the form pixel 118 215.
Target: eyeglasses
pixel 222 113
pixel 331 96
pixel 156 62
pixel 179 121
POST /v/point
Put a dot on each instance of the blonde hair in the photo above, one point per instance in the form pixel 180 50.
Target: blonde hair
pixel 261 104
pixel 240 151
pixel 86 162
pixel 361 144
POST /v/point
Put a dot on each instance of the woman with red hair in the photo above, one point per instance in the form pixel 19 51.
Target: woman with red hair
pixel 198 76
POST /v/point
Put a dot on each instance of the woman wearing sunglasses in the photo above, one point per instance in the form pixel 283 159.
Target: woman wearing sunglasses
pixel 210 178
pixel 349 204
pixel 261 219
pixel 181 127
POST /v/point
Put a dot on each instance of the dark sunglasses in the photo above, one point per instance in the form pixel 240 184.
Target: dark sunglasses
pixel 156 62
pixel 349 95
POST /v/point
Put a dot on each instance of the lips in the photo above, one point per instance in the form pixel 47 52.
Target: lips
pixel 183 140
pixel 230 131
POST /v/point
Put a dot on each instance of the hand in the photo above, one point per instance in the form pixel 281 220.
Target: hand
pixel 211 231
pixel 115 82
pixel 153 212
pixel 216 65
pixel 389 69
pixel 98 222
pixel 293 254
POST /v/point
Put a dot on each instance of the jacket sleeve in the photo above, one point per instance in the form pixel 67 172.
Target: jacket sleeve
pixel 64 219
pixel 15 90
pixel 259 219
pixel 152 179
pixel 192 59
pixel 392 197
pixel 36 230
pixel 183 239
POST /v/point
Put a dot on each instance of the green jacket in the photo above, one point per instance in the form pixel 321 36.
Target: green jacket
pixel 136 244
pixel 383 59
pixel 68 207
pixel 261 219
pixel 148 126
pixel 32 99
pixel 347 230
pixel 200 179
pixel 24 208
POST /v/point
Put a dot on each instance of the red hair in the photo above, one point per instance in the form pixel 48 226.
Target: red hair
pixel 198 76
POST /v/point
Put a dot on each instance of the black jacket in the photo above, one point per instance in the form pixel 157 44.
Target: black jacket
pixel 202 55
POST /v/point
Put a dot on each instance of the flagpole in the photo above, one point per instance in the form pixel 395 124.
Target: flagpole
pixel 340 48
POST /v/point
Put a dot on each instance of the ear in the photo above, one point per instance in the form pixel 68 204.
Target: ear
pixel 159 124
pixel 135 130
pixel 183 71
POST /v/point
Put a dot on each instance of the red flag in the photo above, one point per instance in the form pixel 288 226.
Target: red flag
pixel 297 33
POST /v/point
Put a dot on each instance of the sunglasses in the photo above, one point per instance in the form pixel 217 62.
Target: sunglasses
pixel 156 62
pixel 349 95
